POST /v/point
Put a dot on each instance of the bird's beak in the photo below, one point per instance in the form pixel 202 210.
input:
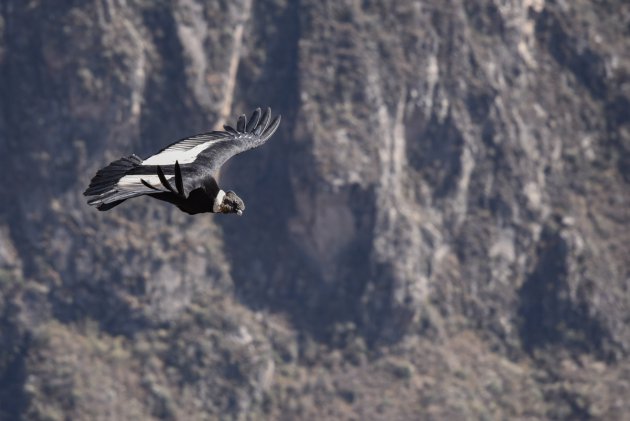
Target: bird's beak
pixel 239 212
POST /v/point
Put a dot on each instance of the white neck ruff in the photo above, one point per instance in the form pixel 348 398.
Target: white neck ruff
pixel 216 207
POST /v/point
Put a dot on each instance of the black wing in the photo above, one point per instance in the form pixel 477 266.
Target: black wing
pixel 212 150
pixel 173 180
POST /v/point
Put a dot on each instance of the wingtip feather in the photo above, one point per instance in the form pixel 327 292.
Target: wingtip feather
pixel 163 179
pixel 253 120
pixel 241 124
pixel 178 179
pixel 264 121
pixel 230 130
pixel 269 131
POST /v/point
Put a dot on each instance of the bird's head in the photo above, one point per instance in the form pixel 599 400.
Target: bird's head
pixel 232 204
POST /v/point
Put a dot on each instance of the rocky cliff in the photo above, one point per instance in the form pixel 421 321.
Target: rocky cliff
pixel 439 230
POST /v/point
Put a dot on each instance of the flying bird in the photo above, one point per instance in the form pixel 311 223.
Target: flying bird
pixel 185 172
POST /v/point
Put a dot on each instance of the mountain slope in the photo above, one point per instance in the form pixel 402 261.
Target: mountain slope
pixel 438 230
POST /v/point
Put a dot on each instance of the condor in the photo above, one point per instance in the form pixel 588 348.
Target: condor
pixel 184 173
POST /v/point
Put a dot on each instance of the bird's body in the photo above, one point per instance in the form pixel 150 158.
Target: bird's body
pixel 184 173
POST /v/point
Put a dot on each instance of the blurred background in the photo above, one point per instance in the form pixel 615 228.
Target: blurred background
pixel 438 230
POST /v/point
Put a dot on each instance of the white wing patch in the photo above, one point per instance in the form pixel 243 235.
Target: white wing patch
pixel 184 152
pixel 132 182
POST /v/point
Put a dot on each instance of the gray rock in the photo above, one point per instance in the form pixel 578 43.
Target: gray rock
pixel 448 191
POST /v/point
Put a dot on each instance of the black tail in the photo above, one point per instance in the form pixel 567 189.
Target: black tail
pixel 106 178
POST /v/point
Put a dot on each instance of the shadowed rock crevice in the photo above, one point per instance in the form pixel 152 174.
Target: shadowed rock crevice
pixel 101 302
pixel 549 314
pixel 23 77
pixel 586 65
pixel 262 176
pixel 13 377
pixel 14 346
pixel 485 17
pixel 327 298
pixel 436 154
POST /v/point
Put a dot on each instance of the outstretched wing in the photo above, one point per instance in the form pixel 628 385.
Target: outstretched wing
pixel 143 180
pixel 212 150
pixel 181 167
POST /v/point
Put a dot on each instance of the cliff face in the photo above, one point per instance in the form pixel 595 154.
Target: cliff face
pixel 439 229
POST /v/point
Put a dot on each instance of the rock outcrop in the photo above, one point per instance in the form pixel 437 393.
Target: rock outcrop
pixel 438 230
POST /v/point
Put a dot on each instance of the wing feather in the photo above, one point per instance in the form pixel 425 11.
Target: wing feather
pixel 146 183
pixel 186 150
pixel 257 132
pixel 241 124
pixel 253 121
pixel 178 179
pixel 231 130
pixel 263 123
pixel 212 149
pixel 163 179
pixel 271 129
